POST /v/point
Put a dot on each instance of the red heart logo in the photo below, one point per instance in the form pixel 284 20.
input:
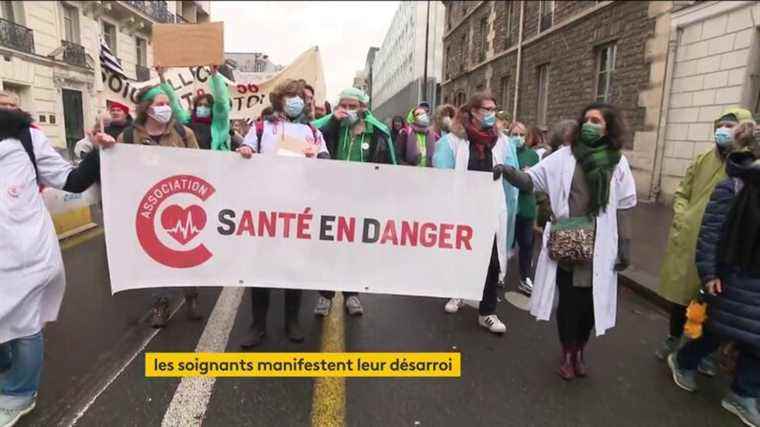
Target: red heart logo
pixel 183 224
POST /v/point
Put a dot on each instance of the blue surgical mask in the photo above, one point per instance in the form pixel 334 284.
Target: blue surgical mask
pixel 488 121
pixel 293 107
pixel 724 136
pixel 518 141
pixel 423 120
pixel 202 111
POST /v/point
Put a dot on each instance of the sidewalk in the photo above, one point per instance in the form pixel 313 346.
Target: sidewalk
pixel 651 223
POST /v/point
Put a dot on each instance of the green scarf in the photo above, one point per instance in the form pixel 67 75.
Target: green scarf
pixel 598 161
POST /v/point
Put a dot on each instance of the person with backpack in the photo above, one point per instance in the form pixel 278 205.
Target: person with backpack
pixel 353 134
pixel 286 122
pixel 155 124
pixel 32 276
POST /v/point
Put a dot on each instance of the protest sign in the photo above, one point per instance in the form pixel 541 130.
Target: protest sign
pixel 187 45
pixel 199 218
pixel 248 98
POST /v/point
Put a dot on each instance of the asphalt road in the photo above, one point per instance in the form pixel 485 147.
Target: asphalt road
pixel 94 365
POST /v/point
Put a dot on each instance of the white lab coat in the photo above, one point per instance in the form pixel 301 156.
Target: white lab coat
pixel 456 155
pixel 554 176
pixel 32 278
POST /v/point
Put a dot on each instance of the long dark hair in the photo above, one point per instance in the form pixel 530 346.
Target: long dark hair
pixel 616 130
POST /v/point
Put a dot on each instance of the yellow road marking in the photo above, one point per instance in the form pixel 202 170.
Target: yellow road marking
pixel 328 405
pixel 77 240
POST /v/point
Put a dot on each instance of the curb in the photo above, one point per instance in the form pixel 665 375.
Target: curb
pixel 643 285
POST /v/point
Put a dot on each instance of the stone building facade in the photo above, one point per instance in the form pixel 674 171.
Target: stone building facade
pixel 545 60
pixel 50 54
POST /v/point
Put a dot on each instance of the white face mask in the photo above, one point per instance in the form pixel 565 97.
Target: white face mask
pixel 161 113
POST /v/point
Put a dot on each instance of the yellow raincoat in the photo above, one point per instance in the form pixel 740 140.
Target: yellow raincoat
pixel 679 282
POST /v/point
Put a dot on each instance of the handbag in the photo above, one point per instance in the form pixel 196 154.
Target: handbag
pixel 571 240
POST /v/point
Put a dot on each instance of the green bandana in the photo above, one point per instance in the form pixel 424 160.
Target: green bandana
pixel 598 161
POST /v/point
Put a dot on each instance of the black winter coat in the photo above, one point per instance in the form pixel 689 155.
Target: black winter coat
pixel 735 313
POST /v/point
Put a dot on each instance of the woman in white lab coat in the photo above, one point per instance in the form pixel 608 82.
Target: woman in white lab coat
pixel 32 277
pixel 590 177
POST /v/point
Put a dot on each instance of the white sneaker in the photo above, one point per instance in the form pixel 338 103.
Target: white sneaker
pixel 492 323
pixel 323 306
pixel 526 286
pixel 9 417
pixel 453 305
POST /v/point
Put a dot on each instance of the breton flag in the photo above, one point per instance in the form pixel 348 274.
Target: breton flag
pixel 109 61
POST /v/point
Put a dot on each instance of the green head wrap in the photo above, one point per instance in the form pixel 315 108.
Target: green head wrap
pixel 151 94
pixel 354 93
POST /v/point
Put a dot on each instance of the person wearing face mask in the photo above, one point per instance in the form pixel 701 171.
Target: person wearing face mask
pixel 591 179
pixel 155 125
pixel 728 262
pixel 353 134
pixel 417 145
pixel 287 120
pixel 120 118
pixel 679 281
pixel 526 209
pixel 475 145
pixel 210 116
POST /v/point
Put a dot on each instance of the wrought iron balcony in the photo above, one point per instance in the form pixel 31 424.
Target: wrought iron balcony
pixel 16 36
pixel 143 73
pixel 157 10
pixel 74 54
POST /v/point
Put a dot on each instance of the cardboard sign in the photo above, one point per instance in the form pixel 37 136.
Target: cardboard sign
pixel 186 45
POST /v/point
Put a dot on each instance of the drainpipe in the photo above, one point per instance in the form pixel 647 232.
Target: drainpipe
pixel 519 59
pixel 656 186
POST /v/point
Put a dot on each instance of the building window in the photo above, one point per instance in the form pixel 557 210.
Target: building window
pixel 504 92
pixel 109 35
pixel 605 70
pixel 459 100
pixel 448 18
pixel 448 62
pixel 142 51
pixel 480 87
pixel 483 39
pixel 464 8
pixel 8 13
pixel 545 15
pixel 71 23
pixel 462 58
pixel 508 32
pixel 259 68
pixel 543 94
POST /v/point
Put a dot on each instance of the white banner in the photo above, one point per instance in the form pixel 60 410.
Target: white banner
pixel 177 217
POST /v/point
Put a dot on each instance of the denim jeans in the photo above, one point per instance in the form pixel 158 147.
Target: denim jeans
pixel 524 240
pixel 747 378
pixel 22 358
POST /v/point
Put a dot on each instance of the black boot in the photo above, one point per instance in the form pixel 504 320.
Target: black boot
pixel 191 307
pixel 160 316
pixel 255 336
pixel 293 328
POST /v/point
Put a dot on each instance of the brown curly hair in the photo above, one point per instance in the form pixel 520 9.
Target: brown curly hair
pixel 285 89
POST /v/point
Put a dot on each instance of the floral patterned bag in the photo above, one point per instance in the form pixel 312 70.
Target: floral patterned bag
pixel 571 240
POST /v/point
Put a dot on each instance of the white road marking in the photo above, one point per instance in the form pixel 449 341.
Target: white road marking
pixel 115 374
pixel 190 401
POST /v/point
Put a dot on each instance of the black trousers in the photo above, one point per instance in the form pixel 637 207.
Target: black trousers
pixel 491 289
pixel 260 303
pixel 677 320
pixel 331 294
pixel 575 314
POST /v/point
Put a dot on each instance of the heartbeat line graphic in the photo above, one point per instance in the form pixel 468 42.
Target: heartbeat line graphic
pixel 184 229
